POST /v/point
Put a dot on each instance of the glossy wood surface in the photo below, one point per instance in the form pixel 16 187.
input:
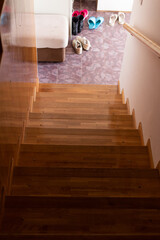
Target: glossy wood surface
pixel 73 165
pixel 18 78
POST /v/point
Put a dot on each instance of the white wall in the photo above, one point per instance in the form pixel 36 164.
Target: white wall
pixel 140 74
pixel 115 5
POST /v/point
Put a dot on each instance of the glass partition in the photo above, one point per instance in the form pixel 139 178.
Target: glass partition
pixel 18 80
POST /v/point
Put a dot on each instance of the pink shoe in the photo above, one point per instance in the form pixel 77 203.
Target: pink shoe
pixel 84 12
pixel 75 14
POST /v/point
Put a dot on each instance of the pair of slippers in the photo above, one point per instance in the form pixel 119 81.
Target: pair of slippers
pixel 84 13
pixel 81 43
pixel 120 17
pixel 94 23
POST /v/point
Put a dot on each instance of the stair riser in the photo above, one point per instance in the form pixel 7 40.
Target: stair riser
pixel 81 237
pixel 74 186
pixel 82 221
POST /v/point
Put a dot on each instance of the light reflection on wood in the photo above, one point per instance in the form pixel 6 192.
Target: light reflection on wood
pixel 18 78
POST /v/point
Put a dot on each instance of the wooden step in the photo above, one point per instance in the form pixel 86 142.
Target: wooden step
pixel 3 178
pixel 16 102
pixel 89 215
pixel 51 104
pixel 80 237
pixel 79 108
pixel 104 137
pixel 111 110
pixel 88 88
pixel 82 123
pixel 17 85
pixel 12 115
pixel 77 120
pixel 79 156
pixel 16 94
pixel 72 116
pixel 7 152
pixel 86 182
pixel 50 100
pixel 11 123
pixel 81 95
pixel 49 202
pixel 13 111
pixel 87 172
pixel 10 135
pixel 108 97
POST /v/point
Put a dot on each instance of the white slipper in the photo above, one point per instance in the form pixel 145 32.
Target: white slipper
pixel 77 46
pixel 113 18
pixel 85 42
pixel 121 18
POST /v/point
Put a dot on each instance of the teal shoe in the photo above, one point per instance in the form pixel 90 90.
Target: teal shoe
pixel 92 22
pixel 99 21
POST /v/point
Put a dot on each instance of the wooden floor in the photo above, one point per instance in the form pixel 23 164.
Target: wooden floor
pixel 82 170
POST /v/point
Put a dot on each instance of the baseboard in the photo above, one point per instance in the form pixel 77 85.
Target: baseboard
pixel 150 153
pixel 134 118
pixel 116 11
pixel 123 97
pixel 119 89
pixel 128 106
pixel 140 130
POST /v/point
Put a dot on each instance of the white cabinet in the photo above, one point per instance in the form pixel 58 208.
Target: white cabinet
pixel 114 5
pixel 60 7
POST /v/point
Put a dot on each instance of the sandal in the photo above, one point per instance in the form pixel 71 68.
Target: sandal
pixel 113 18
pixel 121 18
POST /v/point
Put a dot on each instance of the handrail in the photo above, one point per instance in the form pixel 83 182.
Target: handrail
pixel 148 42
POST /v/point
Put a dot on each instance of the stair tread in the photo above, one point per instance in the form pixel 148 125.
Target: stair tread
pixel 83 111
pixel 49 104
pixel 80 121
pixel 89 87
pixel 71 98
pixel 34 115
pixel 86 149
pixel 77 136
pixel 84 156
pixel 77 95
pixel 74 131
pixel 85 182
pixel 76 123
pixel 81 215
pixel 68 85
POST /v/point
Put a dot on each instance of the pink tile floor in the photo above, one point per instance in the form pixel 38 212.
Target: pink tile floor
pixel 100 65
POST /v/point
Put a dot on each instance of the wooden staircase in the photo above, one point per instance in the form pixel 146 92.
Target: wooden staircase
pixel 82 172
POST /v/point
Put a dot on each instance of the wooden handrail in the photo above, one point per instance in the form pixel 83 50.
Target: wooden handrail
pixel 148 42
